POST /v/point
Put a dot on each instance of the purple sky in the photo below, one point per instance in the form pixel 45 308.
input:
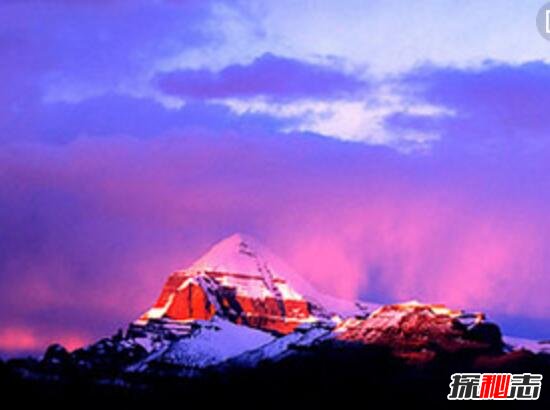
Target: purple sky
pixel 133 135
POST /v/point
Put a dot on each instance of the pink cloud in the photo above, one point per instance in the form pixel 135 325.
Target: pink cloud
pixel 94 223
pixel 21 339
pixel 405 245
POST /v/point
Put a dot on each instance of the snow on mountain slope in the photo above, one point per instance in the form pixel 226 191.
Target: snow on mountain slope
pixel 279 348
pixel 535 346
pixel 210 343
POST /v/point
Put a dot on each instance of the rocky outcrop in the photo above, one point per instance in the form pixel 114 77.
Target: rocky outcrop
pixel 419 331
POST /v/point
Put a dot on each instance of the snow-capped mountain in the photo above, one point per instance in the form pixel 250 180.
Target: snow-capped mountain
pixel 246 283
pixel 240 305
pixel 238 323
pixel 235 281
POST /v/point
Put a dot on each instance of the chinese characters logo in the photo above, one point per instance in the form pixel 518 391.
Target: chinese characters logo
pixel 495 386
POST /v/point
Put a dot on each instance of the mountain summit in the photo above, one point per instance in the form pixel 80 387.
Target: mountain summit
pixel 239 280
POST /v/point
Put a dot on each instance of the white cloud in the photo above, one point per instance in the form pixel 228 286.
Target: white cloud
pixel 359 120
pixel 391 36
pixel 387 36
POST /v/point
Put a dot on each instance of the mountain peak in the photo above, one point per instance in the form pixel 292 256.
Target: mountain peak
pixel 234 241
pixel 240 253
pixel 234 280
